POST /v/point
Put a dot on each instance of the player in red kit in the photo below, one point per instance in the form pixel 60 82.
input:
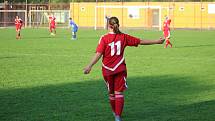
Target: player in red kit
pixel 52 25
pixel 18 24
pixel 111 47
pixel 166 31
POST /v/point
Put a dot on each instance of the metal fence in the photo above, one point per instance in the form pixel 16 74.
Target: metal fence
pixel 8 12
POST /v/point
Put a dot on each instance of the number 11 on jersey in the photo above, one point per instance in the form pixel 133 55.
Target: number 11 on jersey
pixel 118 47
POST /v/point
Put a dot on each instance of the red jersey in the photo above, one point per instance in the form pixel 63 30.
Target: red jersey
pixel 18 22
pixel 52 21
pixel 112 47
pixel 166 28
pixel 166 25
pixel 168 22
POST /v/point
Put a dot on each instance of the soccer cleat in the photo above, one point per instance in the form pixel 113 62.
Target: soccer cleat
pixel 118 118
pixel 18 37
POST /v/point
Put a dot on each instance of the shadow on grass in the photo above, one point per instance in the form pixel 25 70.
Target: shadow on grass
pixel 9 57
pixel 157 98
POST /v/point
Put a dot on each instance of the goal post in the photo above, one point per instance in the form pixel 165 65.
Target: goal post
pixel 7 17
pixel 129 16
pixel 40 18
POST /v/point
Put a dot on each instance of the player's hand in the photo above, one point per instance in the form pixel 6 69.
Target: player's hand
pixel 161 40
pixel 87 69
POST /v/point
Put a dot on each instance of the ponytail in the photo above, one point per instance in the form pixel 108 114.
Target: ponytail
pixel 116 29
pixel 114 24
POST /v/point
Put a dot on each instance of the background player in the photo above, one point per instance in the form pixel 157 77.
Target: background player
pixel 166 31
pixel 74 28
pixel 18 24
pixel 111 46
pixel 52 25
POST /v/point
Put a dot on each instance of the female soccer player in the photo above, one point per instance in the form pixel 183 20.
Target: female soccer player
pixel 111 46
pixel 52 25
pixel 166 31
pixel 74 28
pixel 18 23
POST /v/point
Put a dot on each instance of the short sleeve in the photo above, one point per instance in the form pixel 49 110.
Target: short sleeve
pixel 132 41
pixel 101 45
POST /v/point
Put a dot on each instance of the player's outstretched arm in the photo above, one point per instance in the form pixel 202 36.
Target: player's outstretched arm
pixel 150 42
pixel 94 60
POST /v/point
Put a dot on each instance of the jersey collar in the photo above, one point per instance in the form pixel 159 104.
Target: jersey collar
pixel 111 32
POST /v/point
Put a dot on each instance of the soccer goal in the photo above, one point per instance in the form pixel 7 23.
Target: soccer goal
pixel 129 16
pixel 40 18
pixel 7 17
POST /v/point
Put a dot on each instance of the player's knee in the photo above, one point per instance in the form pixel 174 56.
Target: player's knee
pixel 118 93
pixel 111 95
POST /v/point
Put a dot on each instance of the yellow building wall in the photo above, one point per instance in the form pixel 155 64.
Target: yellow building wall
pixel 183 14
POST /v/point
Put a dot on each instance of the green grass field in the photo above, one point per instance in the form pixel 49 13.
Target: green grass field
pixel 41 78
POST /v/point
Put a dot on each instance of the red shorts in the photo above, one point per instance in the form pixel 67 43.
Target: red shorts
pixel 116 82
pixel 52 27
pixel 18 27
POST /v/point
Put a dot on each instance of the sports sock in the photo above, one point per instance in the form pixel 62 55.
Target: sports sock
pixel 119 104
pixel 170 45
pixel 73 35
pixel 112 102
pixel 167 42
pixel 166 45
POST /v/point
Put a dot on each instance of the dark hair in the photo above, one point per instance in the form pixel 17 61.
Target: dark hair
pixel 114 24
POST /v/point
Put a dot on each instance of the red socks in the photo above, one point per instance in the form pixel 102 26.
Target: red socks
pixel 112 101
pixel 167 43
pixel 119 104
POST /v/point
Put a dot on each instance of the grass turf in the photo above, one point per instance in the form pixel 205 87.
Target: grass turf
pixel 41 78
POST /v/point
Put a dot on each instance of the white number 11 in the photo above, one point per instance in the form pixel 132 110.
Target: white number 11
pixel 118 48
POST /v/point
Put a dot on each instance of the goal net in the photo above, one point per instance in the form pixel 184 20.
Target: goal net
pixel 40 18
pixel 7 17
pixel 129 16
